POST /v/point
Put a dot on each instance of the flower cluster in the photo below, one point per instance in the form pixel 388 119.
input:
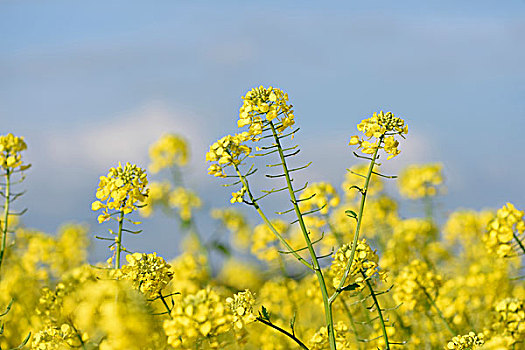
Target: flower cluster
pixel 122 190
pixel 52 337
pixel 148 273
pixel 168 151
pixel 419 181
pixel 382 127
pixel 261 104
pixel 241 306
pixel 11 148
pixel 157 196
pixel 185 201
pixel 364 265
pixel 510 319
pixel 227 151
pixel 196 316
pixel 319 340
pixel 469 341
pixel 502 229
pixel 414 284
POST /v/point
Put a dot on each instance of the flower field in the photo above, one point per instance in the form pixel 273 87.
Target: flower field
pixel 338 267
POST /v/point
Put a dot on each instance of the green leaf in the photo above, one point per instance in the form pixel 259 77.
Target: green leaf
pixel 352 214
pixel 265 314
pixel 350 287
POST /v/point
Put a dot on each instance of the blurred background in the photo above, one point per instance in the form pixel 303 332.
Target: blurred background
pixel 93 83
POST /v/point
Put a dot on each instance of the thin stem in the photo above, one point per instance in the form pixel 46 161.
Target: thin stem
pixel 519 242
pixel 165 304
pixel 267 221
pixel 315 262
pixel 283 331
pixel 380 314
pixel 119 239
pixel 351 319
pixel 6 214
pixel 440 314
pixel 359 219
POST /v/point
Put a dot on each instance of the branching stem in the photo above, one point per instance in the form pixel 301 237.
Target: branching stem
pixel 285 332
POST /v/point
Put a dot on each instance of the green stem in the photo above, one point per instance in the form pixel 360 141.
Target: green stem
pixel 268 223
pixel 6 214
pixel 452 331
pixel 285 332
pixel 315 262
pixel 351 319
pixel 376 302
pixel 519 242
pixel 119 239
pixel 359 219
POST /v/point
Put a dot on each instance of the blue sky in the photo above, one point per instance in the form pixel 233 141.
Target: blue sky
pixel 90 84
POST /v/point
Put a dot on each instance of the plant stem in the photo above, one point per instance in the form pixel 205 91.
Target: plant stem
pixel 288 334
pixel 6 214
pixel 359 219
pixel 165 304
pixel 379 312
pixel 119 239
pixel 315 262
pixel 519 242
pixel 292 251
pixel 452 331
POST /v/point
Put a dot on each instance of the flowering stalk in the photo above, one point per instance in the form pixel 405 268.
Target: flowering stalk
pixel 359 217
pixel 379 312
pixel 118 240
pixel 315 262
pixel 6 214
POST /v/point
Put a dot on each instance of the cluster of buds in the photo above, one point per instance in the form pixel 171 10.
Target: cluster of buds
pixel 364 265
pixel 121 190
pixel 382 127
pixel 265 104
pixel 469 341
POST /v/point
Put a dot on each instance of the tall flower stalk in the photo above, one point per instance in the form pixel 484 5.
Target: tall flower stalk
pixel 11 163
pixel 120 193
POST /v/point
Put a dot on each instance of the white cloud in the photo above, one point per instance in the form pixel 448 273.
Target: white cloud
pixel 125 137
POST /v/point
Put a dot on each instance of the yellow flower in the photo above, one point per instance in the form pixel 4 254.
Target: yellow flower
pixel 122 190
pixel 265 105
pixel 168 151
pixel 148 273
pixel 382 127
pixel 11 148
pixel 501 230
pixel 241 306
pixel 419 181
pixel 227 151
